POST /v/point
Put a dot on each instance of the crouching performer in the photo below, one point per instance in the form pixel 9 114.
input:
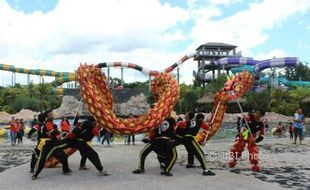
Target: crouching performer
pixel 185 134
pixel 78 138
pixel 157 142
pixel 49 145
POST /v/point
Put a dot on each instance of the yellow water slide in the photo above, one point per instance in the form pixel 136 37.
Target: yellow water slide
pixel 61 77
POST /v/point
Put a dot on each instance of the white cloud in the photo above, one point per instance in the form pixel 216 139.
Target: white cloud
pixel 224 2
pixel 138 31
pixel 276 53
pixel 247 28
pixel 303 45
pixel 90 31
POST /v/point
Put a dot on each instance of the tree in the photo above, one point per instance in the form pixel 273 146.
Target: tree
pixel 189 96
pixel 26 103
pixel 34 97
pixel 217 84
pixel 300 71
pixel 299 93
pixel 287 102
pixel 257 100
pixel 31 90
pixel 137 85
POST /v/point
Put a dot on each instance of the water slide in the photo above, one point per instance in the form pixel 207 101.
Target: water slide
pixel 256 66
pixel 285 82
pixel 246 63
pixel 60 77
pixel 239 64
pixel 98 97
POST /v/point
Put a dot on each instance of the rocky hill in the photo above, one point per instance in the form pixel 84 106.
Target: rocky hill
pixel 136 104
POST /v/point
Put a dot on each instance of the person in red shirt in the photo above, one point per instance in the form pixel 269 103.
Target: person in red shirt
pixel 291 130
pixel 64 126
pixel 248 136
pixel 13 131
pixel 20 133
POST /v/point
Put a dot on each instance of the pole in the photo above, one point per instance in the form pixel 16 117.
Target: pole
pixel 150 79
pixel 109 76
pixel 217 107
pixel 178 74
pixel 75 82
pixel 78 108
pixel 122 76
pixel 28 79
pixel 243 116
pixel 216 110
pixel 12 79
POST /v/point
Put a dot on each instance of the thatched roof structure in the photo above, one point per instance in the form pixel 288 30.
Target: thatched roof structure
pixel 209 98
pixel 241 100
pixel 306 100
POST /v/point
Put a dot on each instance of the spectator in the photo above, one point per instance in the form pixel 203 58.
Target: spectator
pixel 125 139
pixel 131 138
pixel 13 131
pixel 21 132
pixel 298 119
pixel 105 136
pixel 291 130
pixel 279 130
pixel 302 124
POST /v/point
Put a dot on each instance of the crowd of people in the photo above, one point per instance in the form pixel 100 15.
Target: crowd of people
pixel 170 134
pixel 295 128
pixel 52 140
pixel 17 131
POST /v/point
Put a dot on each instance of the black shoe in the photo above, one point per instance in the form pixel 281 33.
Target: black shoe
pixel 138 171
pixel 68 172
pixel 33 177
pixel 83 168
pixel 190 166
pixel 208 173
pixel 166 173
pixel 103 173
pixel 31 171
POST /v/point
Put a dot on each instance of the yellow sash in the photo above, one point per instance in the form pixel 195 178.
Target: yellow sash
pixel 42 143
pixel 245 134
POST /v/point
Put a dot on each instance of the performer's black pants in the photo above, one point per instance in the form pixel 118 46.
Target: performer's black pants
pixel 51 148
pixel 159 146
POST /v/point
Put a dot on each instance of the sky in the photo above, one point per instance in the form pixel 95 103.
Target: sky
pixel 60 34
